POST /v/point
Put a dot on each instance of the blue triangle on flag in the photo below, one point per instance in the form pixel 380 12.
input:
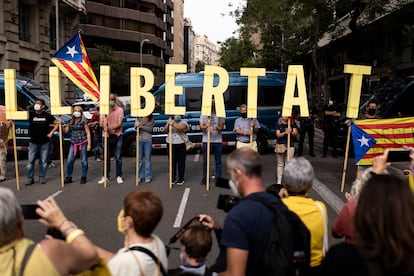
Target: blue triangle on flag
pixel 71 51
pixel 362 142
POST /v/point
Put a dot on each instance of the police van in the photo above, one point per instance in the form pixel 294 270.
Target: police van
pixel 269 102
pixel 27 93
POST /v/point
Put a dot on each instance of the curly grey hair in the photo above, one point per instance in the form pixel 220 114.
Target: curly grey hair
pixel 11 213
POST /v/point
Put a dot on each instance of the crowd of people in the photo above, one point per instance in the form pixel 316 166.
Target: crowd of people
pixel 378 226
pixel 376 223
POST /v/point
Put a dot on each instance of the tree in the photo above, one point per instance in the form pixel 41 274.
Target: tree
pixel 119 72
pixel 236 53
pixel 199 66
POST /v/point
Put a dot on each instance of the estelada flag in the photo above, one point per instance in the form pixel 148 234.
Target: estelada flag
pixel 389 133
pixel 362 142
pixel 73 61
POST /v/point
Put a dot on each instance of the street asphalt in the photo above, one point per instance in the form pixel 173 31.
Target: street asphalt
pixel 95 208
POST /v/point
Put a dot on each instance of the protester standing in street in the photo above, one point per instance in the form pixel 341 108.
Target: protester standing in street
pixel 40 135
pixel 179 128
pixel 113 131
pixel 4 133
pixel 80 140
pixel 283 129
pixel 96 132
pixel 307 125
pixel 215 126
pixel 145 126
pixel 331 126
pixel 244 128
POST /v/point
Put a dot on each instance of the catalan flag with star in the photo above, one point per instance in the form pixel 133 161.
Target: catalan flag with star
pixel 388 133
pixel 73 61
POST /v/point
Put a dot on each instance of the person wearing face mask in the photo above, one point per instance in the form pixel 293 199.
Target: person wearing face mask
pixel 113 130
pixel 179 128
pixel 332 114
pixel 142 211
pixel 40 135
pixel 80 140
pixel 370 113
pixel 249 221
pixel 215 125
pixel 244 128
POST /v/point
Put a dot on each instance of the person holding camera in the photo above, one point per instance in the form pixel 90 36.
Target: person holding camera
pixel 21 256
pixel 249 221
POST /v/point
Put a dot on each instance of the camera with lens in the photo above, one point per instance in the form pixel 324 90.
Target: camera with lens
pixel 226 202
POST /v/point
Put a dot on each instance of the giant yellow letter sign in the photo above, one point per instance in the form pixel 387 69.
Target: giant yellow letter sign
pixel 209 90
pixel 137 90
pixel 252 85
pixel 171 89
pixel 355 85
pixel 295 72
pixel 104 87
pixel 12 112
pixel 55 94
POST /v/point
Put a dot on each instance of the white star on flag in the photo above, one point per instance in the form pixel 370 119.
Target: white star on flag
pixel 364 141
pixel 71 51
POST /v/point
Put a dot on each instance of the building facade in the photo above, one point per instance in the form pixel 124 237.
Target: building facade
pixel 123 25
pixel 28 34
pixel 205 51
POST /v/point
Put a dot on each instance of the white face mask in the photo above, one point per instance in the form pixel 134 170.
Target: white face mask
pixel 233 187
pixel 77 114
pixel 330 103
pixel 37 107
pixel 177 117
pixel 111 102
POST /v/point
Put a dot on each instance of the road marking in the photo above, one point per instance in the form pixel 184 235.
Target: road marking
pixel 181 209
pixel 332 199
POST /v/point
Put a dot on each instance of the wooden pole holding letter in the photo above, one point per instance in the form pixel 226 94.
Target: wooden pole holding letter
pixel 345 159
pixel 105 150
pixel 62 181
pixel 208 155
pixel 170 153
pixel 16 163
pixel 137 156
pixel 288 142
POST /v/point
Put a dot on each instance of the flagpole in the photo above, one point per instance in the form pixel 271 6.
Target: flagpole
pixel 170 153
pixel 345 159
pixel 57 23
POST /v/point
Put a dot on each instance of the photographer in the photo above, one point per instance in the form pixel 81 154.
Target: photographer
pixel 249 221
pixel 49 256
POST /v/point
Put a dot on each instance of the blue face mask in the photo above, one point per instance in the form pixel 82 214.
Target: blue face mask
pixel 177 117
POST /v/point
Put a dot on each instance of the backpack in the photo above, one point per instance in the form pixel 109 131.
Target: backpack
pixel 287 251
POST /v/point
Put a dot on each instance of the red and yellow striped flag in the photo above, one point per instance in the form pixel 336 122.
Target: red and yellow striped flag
pixel 73 61
pixel 389 133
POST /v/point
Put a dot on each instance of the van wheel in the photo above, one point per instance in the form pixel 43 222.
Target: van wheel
pixel 129 146
pixel 261 144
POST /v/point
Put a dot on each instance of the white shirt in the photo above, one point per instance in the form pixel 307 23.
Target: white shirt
pixel 124 263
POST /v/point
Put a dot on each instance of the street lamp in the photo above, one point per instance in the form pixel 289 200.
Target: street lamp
pixel 140 50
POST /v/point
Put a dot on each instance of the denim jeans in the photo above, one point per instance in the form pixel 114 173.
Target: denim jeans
pixel 216 149
pixel 145 160
pixel 71 159
pixel 43 149
pixel 114 151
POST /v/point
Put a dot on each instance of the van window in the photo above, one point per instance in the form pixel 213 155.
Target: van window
pixel 193 98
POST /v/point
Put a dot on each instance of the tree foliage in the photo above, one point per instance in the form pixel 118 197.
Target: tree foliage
pixel 236 53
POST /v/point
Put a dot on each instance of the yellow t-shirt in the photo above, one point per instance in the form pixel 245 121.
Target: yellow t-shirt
pixel 11 257
pixel 311 216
